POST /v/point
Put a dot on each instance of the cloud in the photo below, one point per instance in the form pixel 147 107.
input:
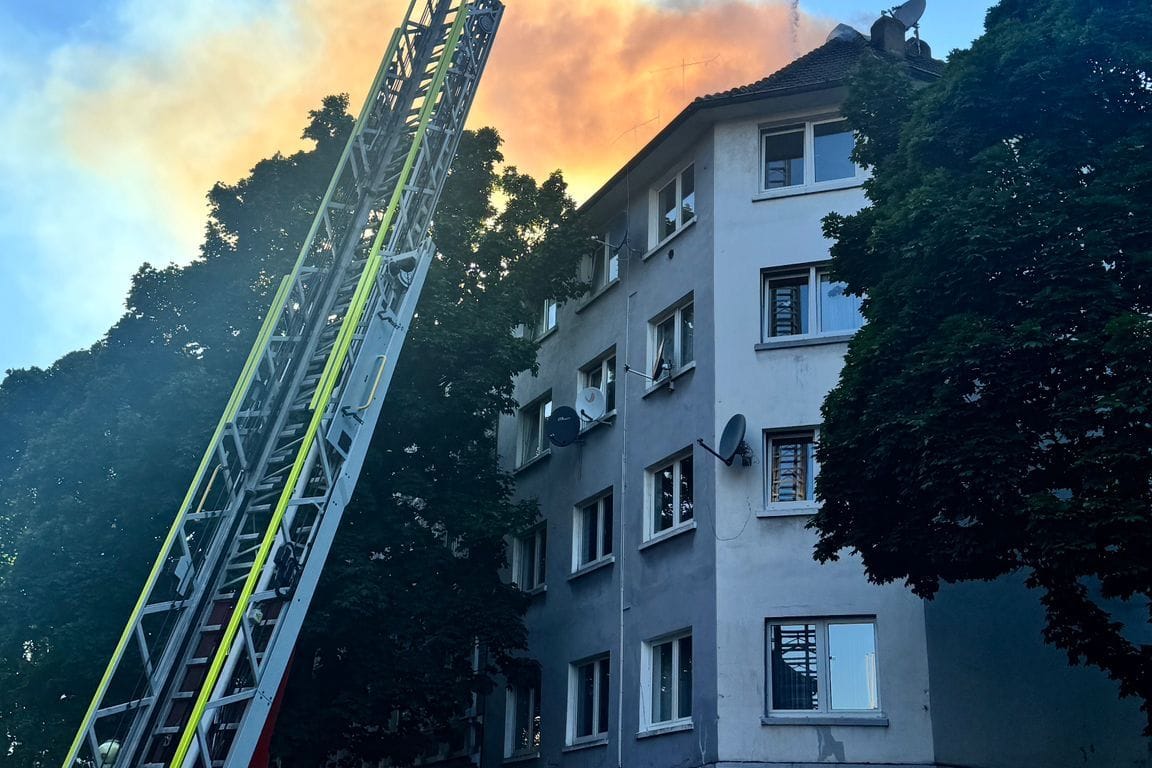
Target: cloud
pixel 110 144
pixel 582 86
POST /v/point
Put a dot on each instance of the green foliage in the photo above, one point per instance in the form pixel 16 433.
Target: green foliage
pixel 993 415
pixel 96 451
pixel 413 579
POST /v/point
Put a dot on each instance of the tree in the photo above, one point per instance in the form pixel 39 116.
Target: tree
pixel 993 415
pixel 385 666
pixel 96 451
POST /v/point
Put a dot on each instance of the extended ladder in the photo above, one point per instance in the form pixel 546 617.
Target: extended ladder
pixel 196 669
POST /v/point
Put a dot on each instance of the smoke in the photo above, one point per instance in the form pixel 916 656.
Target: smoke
pixel 795 27
pixel 576 86
pixel 123 134
pixel 582 86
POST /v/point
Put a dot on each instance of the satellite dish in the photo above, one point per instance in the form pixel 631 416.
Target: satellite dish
pixel 909 13
pixel 731 437
pixel 563 426
pixel 591 404
pixel 732 442
pixel 107 753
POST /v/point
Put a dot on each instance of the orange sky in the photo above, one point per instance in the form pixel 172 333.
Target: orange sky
pixel 578 86
pixel 119 128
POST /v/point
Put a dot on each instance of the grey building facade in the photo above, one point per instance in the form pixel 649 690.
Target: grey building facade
pixel 677 614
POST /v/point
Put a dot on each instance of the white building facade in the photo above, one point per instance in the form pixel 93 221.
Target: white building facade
pixel 677 614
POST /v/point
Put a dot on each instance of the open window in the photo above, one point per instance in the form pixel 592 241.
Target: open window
pixel 605 266
pixel 671 340
pixel 533 426
pixel 674 205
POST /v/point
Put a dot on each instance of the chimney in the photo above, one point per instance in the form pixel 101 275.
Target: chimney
pixel 917 48
pixel 888 35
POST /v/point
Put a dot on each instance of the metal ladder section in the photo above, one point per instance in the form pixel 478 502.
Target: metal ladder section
pixel 208 643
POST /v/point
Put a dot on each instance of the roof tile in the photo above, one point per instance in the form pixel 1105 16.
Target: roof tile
pixel 832 62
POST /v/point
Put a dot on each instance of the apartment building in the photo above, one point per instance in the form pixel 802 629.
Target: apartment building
pixel 677 614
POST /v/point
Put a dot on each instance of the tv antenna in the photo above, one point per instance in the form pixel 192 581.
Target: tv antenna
pixel 634 129
pixel 683 67
pixel 732 442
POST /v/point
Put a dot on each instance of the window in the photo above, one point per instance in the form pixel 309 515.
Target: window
pixel 529 559
pixel 588 686
pixel 534 429
pixel 826 665
pixel 592 541
pixel 671 495
pixel 601 375
pixel 806 153
pixel 522 720
pixel 783 151
pixel 606 259
pixel 675 205
pixel 672 341
pixel 546 317
pixel 791 466
pixel 789 308
pixel 668 680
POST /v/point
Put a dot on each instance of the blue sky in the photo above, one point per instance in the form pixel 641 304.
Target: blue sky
pixel 121 114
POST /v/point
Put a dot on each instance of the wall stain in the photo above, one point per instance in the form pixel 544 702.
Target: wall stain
pixel 831 751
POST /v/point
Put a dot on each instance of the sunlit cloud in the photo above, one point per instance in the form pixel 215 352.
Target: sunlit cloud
pixel 110 143
pixel 582 86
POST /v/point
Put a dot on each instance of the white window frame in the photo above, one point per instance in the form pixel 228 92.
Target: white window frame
pixel 805 506
pixel 534 732
pixel 813 273
pixel 651 511
pixel 676 314
pixel 601 699
pixel 600 365
pixel 579 531
pixel 655 217
pixel 808 183
pixel 823 680
pixel 538 580
pixel 608 254
pixel 648 721
pixel 533 418
pixel 547 318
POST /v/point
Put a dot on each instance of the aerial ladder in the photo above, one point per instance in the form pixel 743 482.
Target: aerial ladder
pixel 198 667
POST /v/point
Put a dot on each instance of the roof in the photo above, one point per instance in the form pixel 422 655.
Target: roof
pixel 828 66
pixel 831 63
